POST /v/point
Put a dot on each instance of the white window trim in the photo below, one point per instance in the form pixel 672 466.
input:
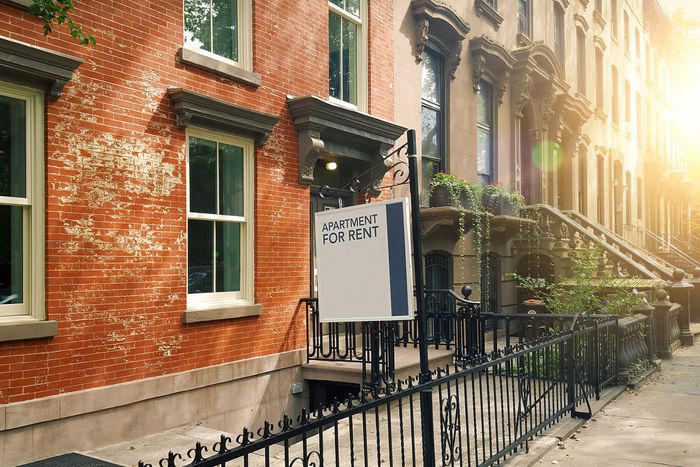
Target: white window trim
pixel 362 23
pixel 246 296
pixel 245 38
pixel 33 308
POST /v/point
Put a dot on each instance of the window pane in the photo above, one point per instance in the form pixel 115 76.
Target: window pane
pixel 334 62
pixel 231 195
pixel 431 78
pixel 430 168
pixel 13 139
pixel 483 104
pixel 351 6
pixel 349 61
pixel 431 132
pixel 225 18
pixel 200 248
pixel 483 151
pixel 202 176
pixel 228 257
pixel 11 262
pixel 198 24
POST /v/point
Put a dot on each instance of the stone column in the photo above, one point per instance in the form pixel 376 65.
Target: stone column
pixel 695 297
pixel 680 293
pixel 662 327
pixel 646 309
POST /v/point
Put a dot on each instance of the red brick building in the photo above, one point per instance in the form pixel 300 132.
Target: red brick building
pixel 156 193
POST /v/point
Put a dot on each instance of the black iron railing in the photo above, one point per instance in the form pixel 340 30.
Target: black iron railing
pixel 451 320
pixel 502 331
pixel 485 409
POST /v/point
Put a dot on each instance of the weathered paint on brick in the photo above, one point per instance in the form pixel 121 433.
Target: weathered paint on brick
pixel 116 244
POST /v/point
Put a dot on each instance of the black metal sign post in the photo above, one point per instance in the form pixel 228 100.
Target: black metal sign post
pixel 371 184
pixel 426 395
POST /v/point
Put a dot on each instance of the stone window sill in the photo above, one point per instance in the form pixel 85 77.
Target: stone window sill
pixel 28 330
pixel 218 67
pixel 219 312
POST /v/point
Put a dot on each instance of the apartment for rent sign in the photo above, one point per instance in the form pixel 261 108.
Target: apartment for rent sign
pixel 363 259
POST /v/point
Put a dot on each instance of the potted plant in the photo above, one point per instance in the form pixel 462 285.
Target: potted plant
pixel 500 201
pixel 448 190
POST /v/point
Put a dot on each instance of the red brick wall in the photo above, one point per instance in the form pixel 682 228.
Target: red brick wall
pixel 116 196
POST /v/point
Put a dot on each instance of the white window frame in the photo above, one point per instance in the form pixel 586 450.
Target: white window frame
pixel 203 301
pixel 245 37
pixel 33 306
pixel 362 54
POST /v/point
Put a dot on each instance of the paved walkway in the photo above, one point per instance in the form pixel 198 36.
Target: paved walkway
pixel 657 424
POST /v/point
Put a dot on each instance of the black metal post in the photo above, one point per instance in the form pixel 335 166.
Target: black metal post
pixel 374 346
pixel 426 396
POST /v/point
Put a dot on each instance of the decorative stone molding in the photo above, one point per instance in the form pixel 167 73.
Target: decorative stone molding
pixel 438 22
pixel 520 93
pixel 478 68
pixel 584 3
pixel 321 123
pixel 483 8
pixel 455 58
pixel 599 42
pixel 36 66
pixel 547 99
pixel 192 108
pixel 598 18
pixel 581 22
pixel 489 58
pixel 502 87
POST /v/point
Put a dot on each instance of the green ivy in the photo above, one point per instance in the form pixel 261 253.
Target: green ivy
pixel 57 12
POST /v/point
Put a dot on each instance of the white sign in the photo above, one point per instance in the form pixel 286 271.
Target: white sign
pixel 363 256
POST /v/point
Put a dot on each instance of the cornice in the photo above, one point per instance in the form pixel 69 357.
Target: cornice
pixel 36 66
pixel 320 122
pixel 483 8
pixel 192 108
pixel 438 22
pixel 493 59
pixel 581 21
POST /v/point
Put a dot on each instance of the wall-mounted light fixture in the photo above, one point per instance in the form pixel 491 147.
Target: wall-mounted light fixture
pixel 331 166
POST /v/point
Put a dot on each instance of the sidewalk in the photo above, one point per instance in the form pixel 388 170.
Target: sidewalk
pixel 657 424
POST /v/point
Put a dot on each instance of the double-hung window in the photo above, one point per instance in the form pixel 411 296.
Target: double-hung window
pixel 21 204
pixel 221 28
pixel 432 116
pixel 347 51
pixel 219 220
pixel 485 154
pixel 559 45
pixel 524 17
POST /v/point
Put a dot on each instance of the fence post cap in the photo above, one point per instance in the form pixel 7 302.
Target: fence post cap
pixel 679 281
pixel 661 298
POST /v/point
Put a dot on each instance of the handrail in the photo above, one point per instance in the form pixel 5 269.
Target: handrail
pixel 630 249
pixel 672 248
pixel 688 245
pixel 575 226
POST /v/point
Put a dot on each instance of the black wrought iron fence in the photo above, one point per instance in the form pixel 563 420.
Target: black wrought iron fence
pixel 494 331
pixel 452 323
pixel 485 409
